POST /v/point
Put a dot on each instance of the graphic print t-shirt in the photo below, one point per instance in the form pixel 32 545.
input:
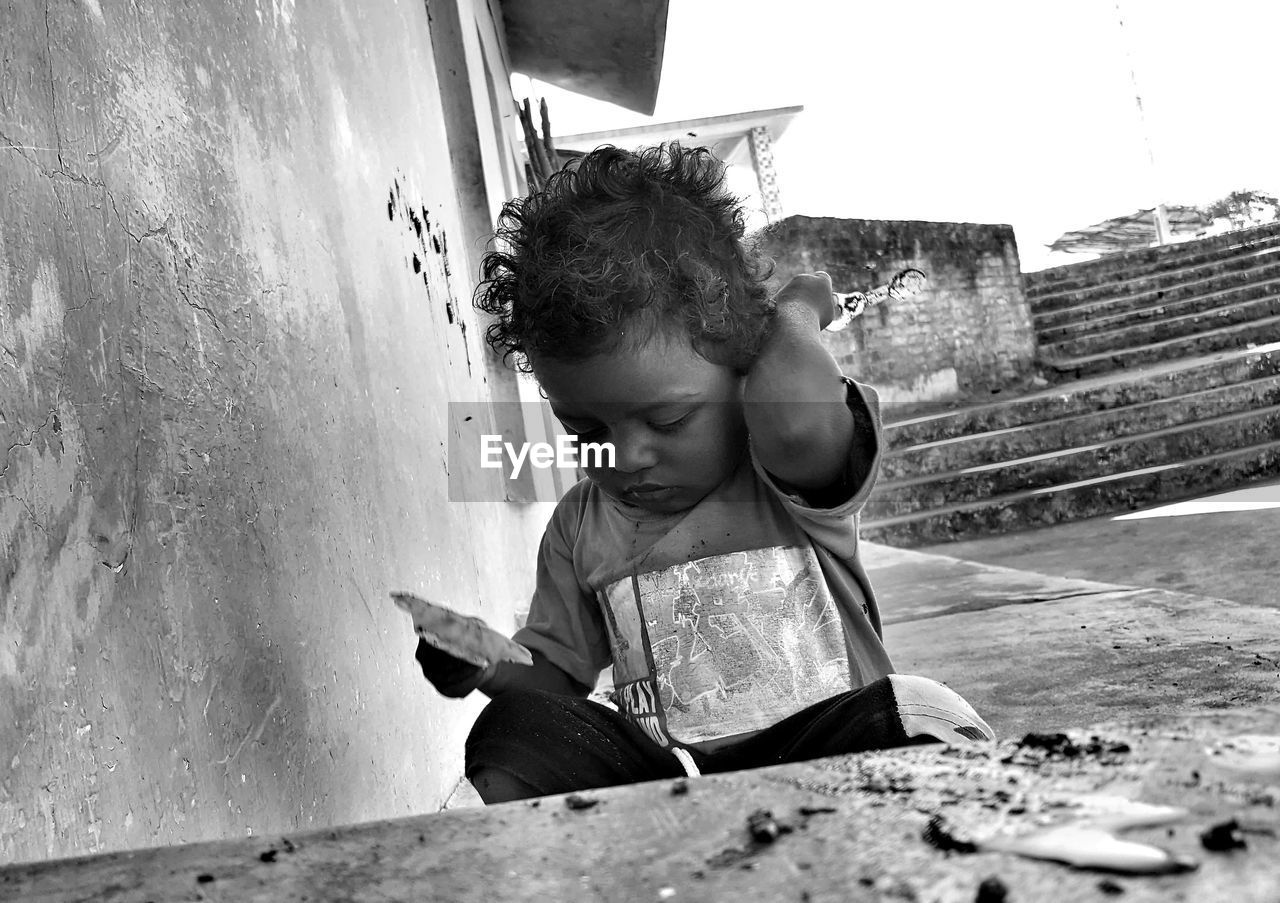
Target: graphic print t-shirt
pixel 725 644
pixel 718 621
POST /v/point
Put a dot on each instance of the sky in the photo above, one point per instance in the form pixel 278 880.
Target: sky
pixel 992 111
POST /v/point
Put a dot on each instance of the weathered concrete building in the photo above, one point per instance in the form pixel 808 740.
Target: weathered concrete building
pixel 237 248
pixel 969 330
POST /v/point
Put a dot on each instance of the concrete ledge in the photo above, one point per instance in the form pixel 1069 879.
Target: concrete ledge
pixel 1147 262
pixel 1076 460
pixel 1174 321
pixel 1081 499
pixel 1240 335
pixel 850 828
pixel 1110 391
pixel 1199 295
pixel 1123 288
pixel 1058 430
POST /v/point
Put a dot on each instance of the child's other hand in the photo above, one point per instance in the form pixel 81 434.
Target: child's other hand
pixel 450 675
pixel 811 290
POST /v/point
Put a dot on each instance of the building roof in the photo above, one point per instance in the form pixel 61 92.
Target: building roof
pixel 607 49
pixel 1135 230
pixel 726 135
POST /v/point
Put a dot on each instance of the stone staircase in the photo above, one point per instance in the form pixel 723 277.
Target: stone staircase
pixel 1166 364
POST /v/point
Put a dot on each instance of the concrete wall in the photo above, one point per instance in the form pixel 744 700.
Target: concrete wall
pixel 970 330
pixel 229 328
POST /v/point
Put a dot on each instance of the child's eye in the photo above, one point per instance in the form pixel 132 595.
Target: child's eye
pixel 587 434
pixel 671 426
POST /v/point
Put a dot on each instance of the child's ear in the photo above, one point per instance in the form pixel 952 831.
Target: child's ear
pixel 723 354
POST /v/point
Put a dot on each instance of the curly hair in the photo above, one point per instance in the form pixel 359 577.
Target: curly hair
pixel 619 247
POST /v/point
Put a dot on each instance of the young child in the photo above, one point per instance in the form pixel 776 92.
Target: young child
pixel 715 565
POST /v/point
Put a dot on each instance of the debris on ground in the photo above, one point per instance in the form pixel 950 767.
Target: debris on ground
pixel 1085 846
pixel 992 890
pixel 1035 748
pixel 731 856
pixel 1092 848
pixel 577 801
pixel 679 787
pixel 763 828
pixel 270 855
pixel 885 776
pixel 1256 754
pixel 1223 837
pixel 1110 888
pixel 938 835
pixel 807 811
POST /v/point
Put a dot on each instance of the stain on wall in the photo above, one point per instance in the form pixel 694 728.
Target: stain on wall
pixel 429 257
pixel 223 423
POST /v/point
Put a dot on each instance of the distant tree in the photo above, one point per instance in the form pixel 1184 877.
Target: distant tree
pixel 1244 208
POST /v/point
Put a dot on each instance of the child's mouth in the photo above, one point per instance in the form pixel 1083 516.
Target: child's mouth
pixel 647 492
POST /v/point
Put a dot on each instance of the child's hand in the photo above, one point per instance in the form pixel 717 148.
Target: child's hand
pixel 811 290
pixel 450 675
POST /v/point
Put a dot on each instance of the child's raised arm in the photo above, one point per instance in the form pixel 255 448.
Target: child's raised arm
pixel 794 395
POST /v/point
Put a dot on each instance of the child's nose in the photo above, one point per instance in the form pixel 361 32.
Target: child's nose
pixel 634 452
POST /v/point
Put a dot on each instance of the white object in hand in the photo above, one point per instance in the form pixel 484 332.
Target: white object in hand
pixel 906 283
pixel 462 636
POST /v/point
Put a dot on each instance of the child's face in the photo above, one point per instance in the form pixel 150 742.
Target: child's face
pixel 674 418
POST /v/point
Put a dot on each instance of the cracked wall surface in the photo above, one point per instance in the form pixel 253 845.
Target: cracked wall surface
pixel 223 429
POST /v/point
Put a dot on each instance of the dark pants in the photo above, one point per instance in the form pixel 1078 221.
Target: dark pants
pixel 558 744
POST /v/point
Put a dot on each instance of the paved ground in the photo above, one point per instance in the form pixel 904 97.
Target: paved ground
pixel 1036 653
pixel 1159 611
pixel 1215 546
